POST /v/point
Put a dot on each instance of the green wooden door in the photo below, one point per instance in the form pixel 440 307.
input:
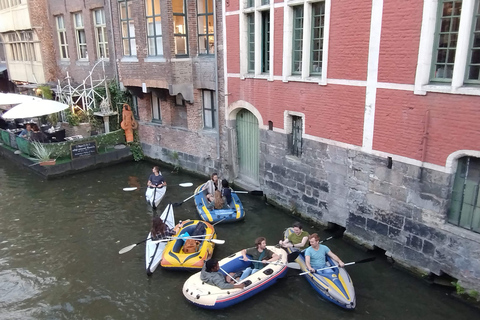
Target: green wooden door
pixel 247 144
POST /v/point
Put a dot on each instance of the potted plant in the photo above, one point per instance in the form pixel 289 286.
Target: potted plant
pixel 42 154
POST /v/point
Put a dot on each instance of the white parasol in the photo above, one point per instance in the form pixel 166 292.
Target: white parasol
pixel 34 108
pixel 13 98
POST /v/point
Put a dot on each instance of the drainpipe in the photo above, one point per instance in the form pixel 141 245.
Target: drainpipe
pixel 424 140
pixel 114 57
pixel 216 76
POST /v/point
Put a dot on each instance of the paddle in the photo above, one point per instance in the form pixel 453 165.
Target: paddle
pixel 228 274
pixel 217 241
pixel 176 204
pixel 184 184
pixel 346 264
pixel 130 247
pixel 253 192
pixel 292 265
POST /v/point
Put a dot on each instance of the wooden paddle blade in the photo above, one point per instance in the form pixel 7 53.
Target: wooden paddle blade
pixel 130 189
pixel 126 249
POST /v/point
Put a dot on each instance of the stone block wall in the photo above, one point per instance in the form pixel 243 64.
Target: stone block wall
pixel 401 210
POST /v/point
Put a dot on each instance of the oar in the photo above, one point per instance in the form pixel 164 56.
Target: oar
pixel 253 192
pixel 346 264
pixel 292 265
pixel 228 274
pixel 184 184
pixel 217 241
pixel 176 204
pixel 130 247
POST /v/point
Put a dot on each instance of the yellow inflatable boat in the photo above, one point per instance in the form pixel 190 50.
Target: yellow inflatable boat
pixel 181 255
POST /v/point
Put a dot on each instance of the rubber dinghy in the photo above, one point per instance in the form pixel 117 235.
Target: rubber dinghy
pixel 234 213
pixel 154 251
pixel 174 256
pixel 211 297
pixel 155 195
pixel 334 284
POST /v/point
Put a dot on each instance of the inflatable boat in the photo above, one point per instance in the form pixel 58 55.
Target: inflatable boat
pixel 212 297
pixel 155 195
pixel 174 256
pixel 230 213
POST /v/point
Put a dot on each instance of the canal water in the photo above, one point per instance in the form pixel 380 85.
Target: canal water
pixel 59 243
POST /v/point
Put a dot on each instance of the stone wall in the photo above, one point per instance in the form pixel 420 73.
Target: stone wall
pixel 401 210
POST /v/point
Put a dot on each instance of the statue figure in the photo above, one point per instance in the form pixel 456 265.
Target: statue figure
pixel 128 123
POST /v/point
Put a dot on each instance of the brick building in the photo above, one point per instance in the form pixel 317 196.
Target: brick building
pixel 363 114
pixel 82 38
pixel 167 57
pixel 28 42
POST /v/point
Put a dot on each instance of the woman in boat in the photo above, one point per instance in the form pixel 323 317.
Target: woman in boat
pixel 37 135
pixel 315 255
pixel 211 186
pixel 258 253
pixel 160 230
pixel 156 180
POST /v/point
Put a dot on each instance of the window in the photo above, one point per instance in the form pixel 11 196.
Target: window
pixel 265 41
pixel 208 109
pixel 22 46
pixel 154 28
pixel 446 44
pixel 4 4
pixel 156 110
pixel 128 28
pixel 318 22
pixel 465 208
pixel 100 33
pixel 251 42
pixel 2 52
pixel 206 33
pixel 296 136
pixel 449 57
pixel 80 36
pixel 135 107
pixel 62 38
pixel 180 27
pixel 297 45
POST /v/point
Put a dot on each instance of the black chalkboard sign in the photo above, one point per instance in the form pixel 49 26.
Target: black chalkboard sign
pixel 83 149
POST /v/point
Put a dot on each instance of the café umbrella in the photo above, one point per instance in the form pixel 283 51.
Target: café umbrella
pixel 13 98
pixel 34 108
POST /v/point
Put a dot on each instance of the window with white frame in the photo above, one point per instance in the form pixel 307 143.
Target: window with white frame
pixel 4 4
pixel 100 26
pixel 80 36
pixel 62 37
pixel 156 110
pixel 154 28
pixel 465 203
pixel 128 28
pixel 206 33
pixel 22 46
pixel 305 53
pixel 256 27
pixel 449 53
pixel 180 33
pixel 208 109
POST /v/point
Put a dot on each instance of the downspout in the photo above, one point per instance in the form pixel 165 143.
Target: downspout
pixel 216 77
pixel 424 140
pixel 114 57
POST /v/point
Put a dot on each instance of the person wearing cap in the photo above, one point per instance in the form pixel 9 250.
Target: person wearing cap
pixel 210 274
pixel 315 255
pixel 297 240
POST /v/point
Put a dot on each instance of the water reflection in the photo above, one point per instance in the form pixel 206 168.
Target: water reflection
pixel 59 243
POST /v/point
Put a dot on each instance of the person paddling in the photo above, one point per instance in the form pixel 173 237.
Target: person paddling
pixel 156 180
pixel 315 255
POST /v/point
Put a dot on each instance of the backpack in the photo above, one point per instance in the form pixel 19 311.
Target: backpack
pixel 190 246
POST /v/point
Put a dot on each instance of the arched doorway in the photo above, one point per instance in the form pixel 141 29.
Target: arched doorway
pixel 248 147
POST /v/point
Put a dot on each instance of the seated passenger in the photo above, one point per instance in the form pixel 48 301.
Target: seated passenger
pixel 297 240
pixel 226 194
pixel 258 253
pixel 315 255
pixel 160 230
pixel 37 135
pixel 26 132
pixel 211 186
pixel 156 180
pixel 211 275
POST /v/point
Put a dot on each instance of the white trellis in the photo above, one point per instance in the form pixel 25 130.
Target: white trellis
pixel 84 95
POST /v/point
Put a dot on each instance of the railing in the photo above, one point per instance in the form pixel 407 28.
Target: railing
pixel 62 149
